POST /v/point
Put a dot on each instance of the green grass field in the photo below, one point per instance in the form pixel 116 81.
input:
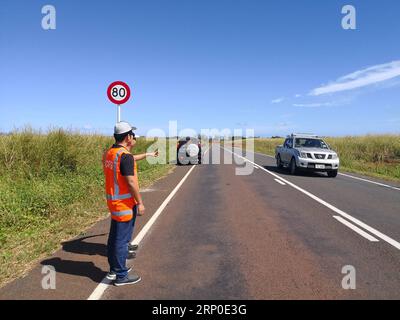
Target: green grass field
pixel 372 155
pixel 52 189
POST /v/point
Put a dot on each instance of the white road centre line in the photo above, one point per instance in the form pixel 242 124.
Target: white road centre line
pixel 375 232
pixel 279 181
pixel 356 229
pixel 105 283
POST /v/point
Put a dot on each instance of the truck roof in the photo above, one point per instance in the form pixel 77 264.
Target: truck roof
pixel 303 135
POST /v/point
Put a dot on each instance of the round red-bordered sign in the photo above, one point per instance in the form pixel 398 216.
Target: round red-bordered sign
pixel 118 92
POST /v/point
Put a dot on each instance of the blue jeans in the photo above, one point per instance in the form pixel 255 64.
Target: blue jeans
pixel 117 245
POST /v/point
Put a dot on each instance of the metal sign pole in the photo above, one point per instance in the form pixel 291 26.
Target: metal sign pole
pixel 118 87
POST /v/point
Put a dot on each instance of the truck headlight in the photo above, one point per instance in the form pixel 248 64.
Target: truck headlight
pixel 334 156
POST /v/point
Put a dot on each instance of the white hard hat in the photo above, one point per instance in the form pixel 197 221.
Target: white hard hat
pixel 123 127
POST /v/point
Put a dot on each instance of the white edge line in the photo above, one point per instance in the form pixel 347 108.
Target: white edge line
pixel 356 229
pixel 340 173
pixel 149 223
pixel 370 181
pixel 375 232
pixel 279 181
pixel 101 287
pixel 105 283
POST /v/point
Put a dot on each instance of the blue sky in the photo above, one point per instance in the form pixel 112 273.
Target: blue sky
pixel 275 66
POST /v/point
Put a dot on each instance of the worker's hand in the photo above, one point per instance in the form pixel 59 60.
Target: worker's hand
pixel 141 209
pixel 152 154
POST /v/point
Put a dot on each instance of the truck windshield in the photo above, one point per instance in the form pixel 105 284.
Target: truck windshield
pixel 310 143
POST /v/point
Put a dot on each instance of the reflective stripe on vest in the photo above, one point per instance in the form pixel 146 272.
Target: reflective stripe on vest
pixel 118 196
pixel 122 213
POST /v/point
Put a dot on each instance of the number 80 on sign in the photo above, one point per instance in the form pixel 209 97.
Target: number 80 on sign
pixel 118 92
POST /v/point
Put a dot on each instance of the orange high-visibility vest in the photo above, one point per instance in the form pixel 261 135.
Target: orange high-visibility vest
pixel 119 200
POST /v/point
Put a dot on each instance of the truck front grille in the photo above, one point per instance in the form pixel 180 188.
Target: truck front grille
pixel 319 156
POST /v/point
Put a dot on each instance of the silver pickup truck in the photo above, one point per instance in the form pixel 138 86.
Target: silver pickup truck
pixel 307 152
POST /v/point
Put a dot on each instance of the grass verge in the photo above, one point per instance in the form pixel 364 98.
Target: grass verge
pixel 52 189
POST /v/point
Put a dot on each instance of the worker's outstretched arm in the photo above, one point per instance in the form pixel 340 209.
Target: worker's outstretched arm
pixel 142 156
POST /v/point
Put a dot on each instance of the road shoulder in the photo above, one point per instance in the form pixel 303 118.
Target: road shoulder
pixel 81 263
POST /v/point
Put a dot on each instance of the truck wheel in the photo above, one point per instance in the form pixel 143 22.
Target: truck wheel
pixel 279 162
pixel 332 174
pixel 293 167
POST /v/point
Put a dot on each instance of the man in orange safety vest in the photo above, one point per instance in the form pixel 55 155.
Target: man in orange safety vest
pixel 123 200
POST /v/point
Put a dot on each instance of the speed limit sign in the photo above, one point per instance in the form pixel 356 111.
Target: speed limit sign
pixel 118 92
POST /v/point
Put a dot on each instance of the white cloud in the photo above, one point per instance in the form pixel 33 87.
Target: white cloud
pixel 314 105
pixel 297 96
pixel 278 100
pixel 361 78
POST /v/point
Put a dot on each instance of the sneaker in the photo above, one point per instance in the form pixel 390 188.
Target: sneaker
pixel 131 255
pixel 113 276
pixel 132 247
pixel 132 279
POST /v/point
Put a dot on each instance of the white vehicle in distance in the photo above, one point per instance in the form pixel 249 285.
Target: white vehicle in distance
pixel 307 152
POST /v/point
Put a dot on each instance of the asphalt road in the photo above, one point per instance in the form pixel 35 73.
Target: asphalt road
pixel 227 236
